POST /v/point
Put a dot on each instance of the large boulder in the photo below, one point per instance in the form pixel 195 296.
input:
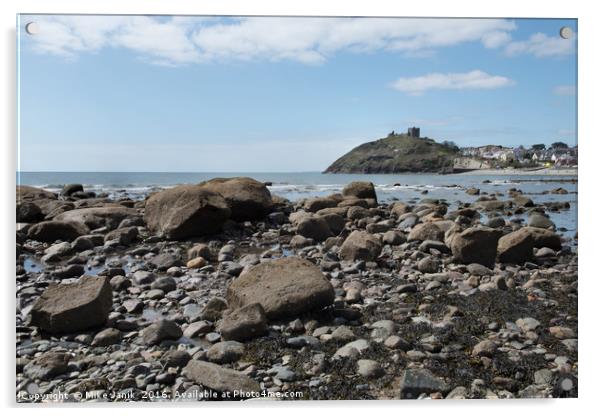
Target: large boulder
pixel 314 227
pixel 399 208
pixel 361 245
pixel 29 193
pixel 491 205
pixel 544 238
pixel 476 245
pixel 247 198
pixel 515 247
pixel 72 307
pixel 98 217
pixel 284 287
pixel 426 231
pixel 360 190
pixel 47 366
pixel 29 212
pixel 72 188
pixel 50 231
pixel 220 379
pixel 540 221
pixel 185 211
pixel 318 203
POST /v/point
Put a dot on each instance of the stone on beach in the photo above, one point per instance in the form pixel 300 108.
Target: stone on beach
pixel 225 352
pixel 426 231
pixel 360 190
pixel 73 307
pixel 30 193
pixel 196 263
pixel 540 221
pixel 29 212
pixel 314 227
pixel 163 329
pixel 284 287
pixel 124 236
pixel 72 188
pixel 544 238
pixel 476 245
pixel 247 198
pixel 417 381
pixel 361 245
pixel 97 217
pixel 219 378
pixel 47 366
pixel 50 231
pixel 185 211
pixel 244 323
pixel 199 250
pixel 515 247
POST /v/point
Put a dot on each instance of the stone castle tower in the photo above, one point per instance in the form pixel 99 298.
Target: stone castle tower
pixel 414 132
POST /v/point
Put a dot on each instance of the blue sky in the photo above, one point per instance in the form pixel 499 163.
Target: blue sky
pixel 134 93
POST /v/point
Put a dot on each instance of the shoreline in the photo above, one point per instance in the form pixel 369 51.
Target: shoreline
pixel 519 172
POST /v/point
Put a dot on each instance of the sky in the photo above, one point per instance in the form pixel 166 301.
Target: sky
pixel 277 94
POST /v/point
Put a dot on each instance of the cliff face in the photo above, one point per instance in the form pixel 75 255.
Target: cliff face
pixel 394 154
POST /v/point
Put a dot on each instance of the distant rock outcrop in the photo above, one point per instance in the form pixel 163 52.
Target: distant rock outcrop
pixel 397 153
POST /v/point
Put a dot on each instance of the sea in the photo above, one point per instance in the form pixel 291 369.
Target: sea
pixel 299 185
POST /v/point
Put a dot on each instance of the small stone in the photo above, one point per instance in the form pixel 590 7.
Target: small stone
pixel 562 332
pixel 166 284
pixel 484 348
pixel 302 341
pixel 543 376
pixel 528 324
pixel 428 265
pixel 214 309
pixel 396 342
pixel 416 381
pixel 175 358
pixel 218 378
pixel 342 333
pixel 283 373
pixel 244 323
pixel 161 330
pixel 352 349
pixel 225 352
pixel 107 337
pixel 197 328
pixel 196 263
pixel 369 369
pixel 143 277
pixel 133 305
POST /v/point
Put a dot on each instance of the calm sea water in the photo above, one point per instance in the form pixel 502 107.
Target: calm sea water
pixel 404 187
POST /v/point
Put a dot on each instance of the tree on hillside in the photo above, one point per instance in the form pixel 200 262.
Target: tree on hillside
pixel 450 145
pixel 539 147
pixel 560 145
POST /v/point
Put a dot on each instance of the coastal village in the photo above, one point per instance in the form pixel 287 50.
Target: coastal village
pixel 558 154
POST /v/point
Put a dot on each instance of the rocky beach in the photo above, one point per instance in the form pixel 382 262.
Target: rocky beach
pixel 224 290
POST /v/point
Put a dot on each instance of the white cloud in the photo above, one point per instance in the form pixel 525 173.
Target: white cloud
pixel 312 40
pixel 565 90
pixel 541 45
pixel 181 40
pixel 160 41
pixel 452 81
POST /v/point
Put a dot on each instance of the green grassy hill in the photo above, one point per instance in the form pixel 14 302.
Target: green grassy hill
pixel 396 153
